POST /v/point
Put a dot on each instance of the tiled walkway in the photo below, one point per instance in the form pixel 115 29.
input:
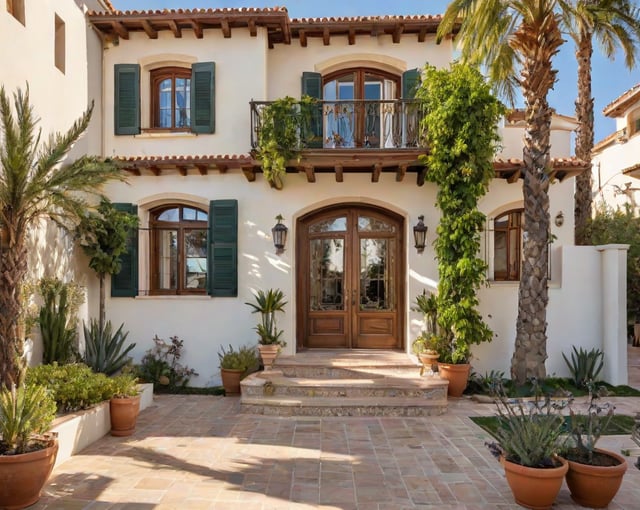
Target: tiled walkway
pixel 192 452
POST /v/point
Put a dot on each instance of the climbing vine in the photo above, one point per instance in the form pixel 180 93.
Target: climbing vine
pixel 284 125
pixel 461 129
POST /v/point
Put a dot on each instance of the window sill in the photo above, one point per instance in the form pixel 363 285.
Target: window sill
pixel 166 134
pixel 181 297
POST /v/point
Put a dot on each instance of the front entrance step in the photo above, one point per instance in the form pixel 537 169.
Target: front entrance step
pixel 344 383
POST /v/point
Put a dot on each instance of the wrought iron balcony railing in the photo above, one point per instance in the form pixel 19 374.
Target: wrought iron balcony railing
pixel 354 124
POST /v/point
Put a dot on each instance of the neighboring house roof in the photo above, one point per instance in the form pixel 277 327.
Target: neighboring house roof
pixel 516 117
pixel 618 106
pixel 632 171
pixel 119 24
pixel 615 137
pixel 336 161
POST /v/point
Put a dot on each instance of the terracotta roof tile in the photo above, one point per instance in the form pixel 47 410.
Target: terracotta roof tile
pixel 616 107
pixel 221 10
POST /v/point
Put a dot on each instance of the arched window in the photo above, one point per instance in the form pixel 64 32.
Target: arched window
pixel 171 98
pixel 178 250
pixel 507 245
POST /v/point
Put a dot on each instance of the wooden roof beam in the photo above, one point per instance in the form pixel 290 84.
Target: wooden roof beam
pixel 151 32
pixel 422 176
pixel 514 176
pixel 326 36
pixel 422 35
pixel 339 171
pixel 375 174
pixel 177 31
pixel 352 36
pixel 222 168
pixel 197 28
pixel 249 172
pixel 120 29
pixel 182 169
pixel 303 38
pixel 253 31
pixel 401 172
pixel 155 170
pixel 311 173
pixel 226 29
pixel 203 169
pixel 397 32
pixel 133 170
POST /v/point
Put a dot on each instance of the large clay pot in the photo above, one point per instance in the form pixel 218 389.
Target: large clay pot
pixel 457 375
pixel 595 486
pixel 268 354
pixel 535 488
pixel 124 414
pixel 23 476
pixel 231 380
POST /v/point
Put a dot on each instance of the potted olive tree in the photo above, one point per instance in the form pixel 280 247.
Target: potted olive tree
pixel 267 303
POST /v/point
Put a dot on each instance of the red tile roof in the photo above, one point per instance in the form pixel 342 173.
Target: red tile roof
pixel 617 107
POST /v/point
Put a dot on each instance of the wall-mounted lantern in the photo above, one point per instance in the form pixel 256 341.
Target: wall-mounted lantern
pixel 420 234
pixel 279 232
pixel 559 219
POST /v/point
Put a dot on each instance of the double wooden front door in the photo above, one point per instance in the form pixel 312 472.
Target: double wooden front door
pixel 350 279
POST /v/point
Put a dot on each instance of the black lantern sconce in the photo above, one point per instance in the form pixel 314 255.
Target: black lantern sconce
pixel 420 234
pixel 559 219
pixel 279 232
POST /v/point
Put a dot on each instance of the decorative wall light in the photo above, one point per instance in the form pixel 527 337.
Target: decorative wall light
pixel 279 232
pixel 559 219
pixel 420 234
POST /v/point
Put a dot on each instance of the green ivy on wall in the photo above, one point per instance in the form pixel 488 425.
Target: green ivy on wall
pixel 461 130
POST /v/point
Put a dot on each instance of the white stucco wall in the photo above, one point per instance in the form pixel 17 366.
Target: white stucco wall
pixel 610 185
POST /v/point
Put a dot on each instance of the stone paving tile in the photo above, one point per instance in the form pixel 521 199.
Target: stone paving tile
pixel 199 452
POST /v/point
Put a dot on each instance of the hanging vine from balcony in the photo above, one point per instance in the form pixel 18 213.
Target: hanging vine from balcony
pixel 461 127
pixel 284 125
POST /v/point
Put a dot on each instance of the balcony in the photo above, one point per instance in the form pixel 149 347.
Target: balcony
pixel 354 124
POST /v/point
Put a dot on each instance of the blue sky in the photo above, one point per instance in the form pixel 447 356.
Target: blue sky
pixel 610 78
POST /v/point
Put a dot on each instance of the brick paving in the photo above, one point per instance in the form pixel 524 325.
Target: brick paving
pixel 200 452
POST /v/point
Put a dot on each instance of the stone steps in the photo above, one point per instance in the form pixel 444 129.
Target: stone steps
pixel 344 383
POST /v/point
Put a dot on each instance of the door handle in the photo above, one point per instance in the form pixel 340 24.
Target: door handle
pixel 353 297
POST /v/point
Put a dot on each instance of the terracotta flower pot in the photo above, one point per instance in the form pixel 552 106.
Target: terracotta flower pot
pixel 23 476
pixel 268 354
pixel 427 360
pixel 457 375
pixel 535 488
pixel 231 380
pixel 595 486
pixel 124 414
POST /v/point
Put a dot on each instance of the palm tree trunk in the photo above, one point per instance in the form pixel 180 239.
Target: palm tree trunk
pixel 537 78
pixel 584 136
pixel 13 267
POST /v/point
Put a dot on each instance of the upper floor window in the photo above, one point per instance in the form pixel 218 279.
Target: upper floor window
pixel 171 98
pixel 634 122
pixel 16 9
pixel 178 250
pixel 507 245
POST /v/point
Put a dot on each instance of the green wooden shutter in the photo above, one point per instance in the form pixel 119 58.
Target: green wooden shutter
pixel 223 248
pixel 312 87
pixel 127 99
pixel 410 83
pixel 125 283
pixel 203 109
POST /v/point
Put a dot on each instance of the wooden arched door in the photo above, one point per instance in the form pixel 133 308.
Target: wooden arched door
pixel 350 278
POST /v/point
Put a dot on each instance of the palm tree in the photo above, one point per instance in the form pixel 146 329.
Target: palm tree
pixel 614 23
pixel 516 41
pixel 34 185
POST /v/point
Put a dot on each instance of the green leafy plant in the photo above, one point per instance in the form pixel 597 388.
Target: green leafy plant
pixel 461 128
pixel 124 386
pixel 267 303
pixel 73 386
pixel 530 432
pixel 105 350
pixel 244 358
pixel 57 319
pixel 490 383
pixel 25 411
pixel 585 366
pixel 161 366
pixel 283 125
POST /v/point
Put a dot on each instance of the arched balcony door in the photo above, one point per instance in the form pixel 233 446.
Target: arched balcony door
pixel 350 279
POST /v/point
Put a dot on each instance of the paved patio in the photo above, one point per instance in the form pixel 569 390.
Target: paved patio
pixel 193 452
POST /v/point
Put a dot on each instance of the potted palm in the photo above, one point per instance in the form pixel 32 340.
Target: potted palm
pixel 27 452
pixel 267 303
pixel 529 436
pixel 425 346
pixel 234 365
pixel 124 405
pixel 594 475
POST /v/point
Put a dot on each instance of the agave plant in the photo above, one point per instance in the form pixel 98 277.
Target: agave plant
pixel 105 351
pixel 267 303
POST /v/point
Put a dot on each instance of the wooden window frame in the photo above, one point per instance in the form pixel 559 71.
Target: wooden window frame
pixel 181 226
pixel 359 81
pixel 157 76
pixel 511 226
pixel 16 9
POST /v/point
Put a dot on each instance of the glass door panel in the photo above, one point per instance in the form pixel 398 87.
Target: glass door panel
pixel 326 279
pixel 167 246
pixel 376 274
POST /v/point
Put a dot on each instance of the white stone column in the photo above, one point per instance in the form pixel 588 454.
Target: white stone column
pixel 614 312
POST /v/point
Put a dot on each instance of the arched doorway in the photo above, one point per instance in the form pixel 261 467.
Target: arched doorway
pixel 350 278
